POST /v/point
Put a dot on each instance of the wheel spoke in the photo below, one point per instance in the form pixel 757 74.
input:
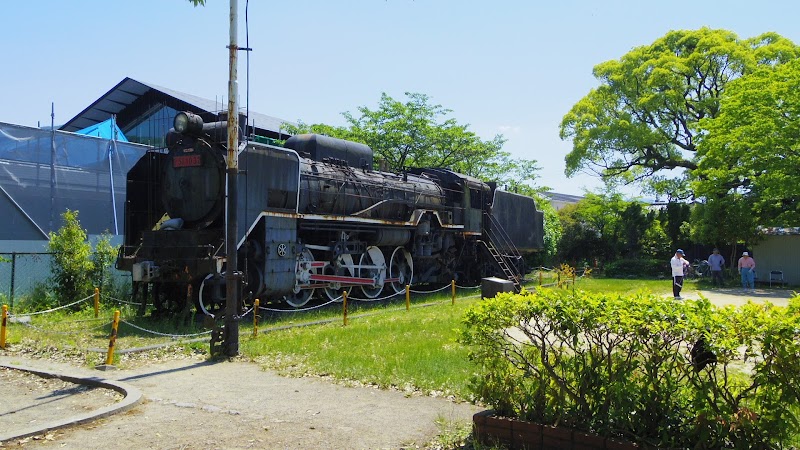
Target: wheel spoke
pixel 342 267
pixel 372 265
pixel 300 297
pixel 401 266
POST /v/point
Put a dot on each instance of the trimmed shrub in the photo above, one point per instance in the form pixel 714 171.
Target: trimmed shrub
pixel 651 370
pixel 636 268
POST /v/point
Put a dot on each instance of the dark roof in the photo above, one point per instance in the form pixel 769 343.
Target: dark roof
pixel 128 91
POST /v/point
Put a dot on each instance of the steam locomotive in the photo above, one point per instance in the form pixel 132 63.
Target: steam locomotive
pixel 314 219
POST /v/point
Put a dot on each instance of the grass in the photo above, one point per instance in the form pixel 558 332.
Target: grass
pixel 383 344
pixel 408 350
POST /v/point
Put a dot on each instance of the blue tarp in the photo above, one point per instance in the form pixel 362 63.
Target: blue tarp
pixel 105 130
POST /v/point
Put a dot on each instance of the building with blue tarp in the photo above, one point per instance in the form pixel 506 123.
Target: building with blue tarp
pixel 82 166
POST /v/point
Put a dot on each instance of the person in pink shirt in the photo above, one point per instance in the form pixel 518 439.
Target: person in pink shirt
pixel 747 267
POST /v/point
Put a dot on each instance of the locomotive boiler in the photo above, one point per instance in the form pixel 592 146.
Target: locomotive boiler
pixel 314 219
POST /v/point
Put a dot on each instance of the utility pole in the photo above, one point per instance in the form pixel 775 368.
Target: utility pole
pixel 231 335
pixel 52 166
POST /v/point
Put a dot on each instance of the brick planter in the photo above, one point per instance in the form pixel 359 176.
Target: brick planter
pixel 516 434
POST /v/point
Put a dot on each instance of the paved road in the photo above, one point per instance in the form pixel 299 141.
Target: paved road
pixel 739 296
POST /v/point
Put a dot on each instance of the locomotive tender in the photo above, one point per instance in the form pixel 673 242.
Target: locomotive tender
pixel 314 219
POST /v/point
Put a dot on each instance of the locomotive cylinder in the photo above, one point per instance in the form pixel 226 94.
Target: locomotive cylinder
pixel 391 237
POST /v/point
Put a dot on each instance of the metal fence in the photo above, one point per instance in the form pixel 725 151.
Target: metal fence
pixel 21 272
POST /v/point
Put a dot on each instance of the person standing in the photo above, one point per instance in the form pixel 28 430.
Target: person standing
pixel 717 263
pixel 679 265
pixel 747 268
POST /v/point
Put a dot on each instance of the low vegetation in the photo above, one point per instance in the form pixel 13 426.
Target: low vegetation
pixel 641 367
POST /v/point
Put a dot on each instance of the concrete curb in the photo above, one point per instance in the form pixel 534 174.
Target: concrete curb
pixel 132 397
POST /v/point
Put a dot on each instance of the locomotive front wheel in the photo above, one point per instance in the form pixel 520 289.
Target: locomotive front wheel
pixel 401 267
pixel 372 265
pixel 206 301
pixel 342 267
pixel 300 297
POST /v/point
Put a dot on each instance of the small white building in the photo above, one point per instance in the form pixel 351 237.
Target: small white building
pixel 561 200
pixel 779 251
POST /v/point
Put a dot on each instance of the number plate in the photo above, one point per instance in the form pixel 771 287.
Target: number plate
pixel 187 161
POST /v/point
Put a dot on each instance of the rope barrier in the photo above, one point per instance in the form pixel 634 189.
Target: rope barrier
pixel 264 308
pixel 249 311
pixel 337 299
pixel 379 299
pixel 53 309
pixel 163 334
pixel 122 301
pixel 431 292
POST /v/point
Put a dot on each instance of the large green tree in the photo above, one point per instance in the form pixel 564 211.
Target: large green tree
pixel 641 123
pixel 751 150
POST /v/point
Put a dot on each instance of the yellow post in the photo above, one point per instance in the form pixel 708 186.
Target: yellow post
pixel 255 318
pixel 408 298
pixel 3 327
pixel 558 280
pixel 540 278
pixel 344 306
pixel 96 302
pixel 453 287
pixel 113 340
pixel 573 283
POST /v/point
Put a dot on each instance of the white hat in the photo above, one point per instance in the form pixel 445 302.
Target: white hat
pixel 745 254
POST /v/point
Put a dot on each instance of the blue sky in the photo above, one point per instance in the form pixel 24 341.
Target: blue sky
pixel 503 67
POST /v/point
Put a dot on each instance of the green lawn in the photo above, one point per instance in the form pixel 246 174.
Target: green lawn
pixel 383 344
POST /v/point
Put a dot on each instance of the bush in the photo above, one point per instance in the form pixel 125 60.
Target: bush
pixel 633 367
pixel 636 268
pixel 76 270
pixel 103 260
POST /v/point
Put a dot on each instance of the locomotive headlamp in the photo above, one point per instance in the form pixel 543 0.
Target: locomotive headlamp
pixel 188 123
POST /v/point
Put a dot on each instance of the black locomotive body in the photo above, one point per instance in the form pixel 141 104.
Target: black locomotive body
pixel 314 220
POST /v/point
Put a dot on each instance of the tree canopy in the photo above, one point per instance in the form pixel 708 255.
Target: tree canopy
pixel 752 148
pixel 642 123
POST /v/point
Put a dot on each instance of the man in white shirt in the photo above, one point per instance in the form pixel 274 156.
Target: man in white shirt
pixel 678 264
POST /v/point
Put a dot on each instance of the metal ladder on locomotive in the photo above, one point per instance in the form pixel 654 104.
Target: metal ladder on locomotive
pixel 503 251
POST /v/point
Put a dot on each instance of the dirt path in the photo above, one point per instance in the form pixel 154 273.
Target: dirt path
pixel 194 404
pixel 739 296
